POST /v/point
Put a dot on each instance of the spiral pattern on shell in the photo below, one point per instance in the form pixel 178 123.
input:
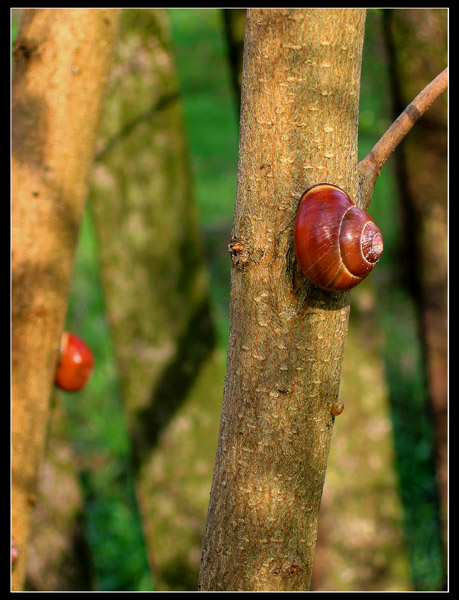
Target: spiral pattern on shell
pixel 337 244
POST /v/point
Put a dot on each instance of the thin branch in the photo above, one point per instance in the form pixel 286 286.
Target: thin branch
pixel 370 167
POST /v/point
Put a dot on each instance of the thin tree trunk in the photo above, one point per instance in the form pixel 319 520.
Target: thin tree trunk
pixel 299 121
pixel 62 59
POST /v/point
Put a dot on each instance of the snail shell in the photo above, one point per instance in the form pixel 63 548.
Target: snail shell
pixel 75 364
pixel 337 244
pixel 337 408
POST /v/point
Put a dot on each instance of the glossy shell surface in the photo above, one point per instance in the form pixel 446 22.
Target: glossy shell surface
pixel 75 365
pixel 337 244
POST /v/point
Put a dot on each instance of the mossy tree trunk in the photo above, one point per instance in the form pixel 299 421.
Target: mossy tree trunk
pixel 58 555
pixel 61 63
pixel 421 179
pixel 299 121
pixel 157 295
pixel 421 170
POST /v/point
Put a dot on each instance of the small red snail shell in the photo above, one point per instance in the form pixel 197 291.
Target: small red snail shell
pixel 337 244
pixel 75 364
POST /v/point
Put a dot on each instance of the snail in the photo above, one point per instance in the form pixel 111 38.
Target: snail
pixel 75 364
pixel 337 408
pixel 336 243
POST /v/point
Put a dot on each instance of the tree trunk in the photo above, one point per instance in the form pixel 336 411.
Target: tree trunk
pixel 421 174
pixel 299 122
pixel 157 294
pixel 62 59
pixel 421 170
pixel 58 555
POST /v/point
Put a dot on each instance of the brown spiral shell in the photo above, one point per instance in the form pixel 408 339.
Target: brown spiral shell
pixel 336 243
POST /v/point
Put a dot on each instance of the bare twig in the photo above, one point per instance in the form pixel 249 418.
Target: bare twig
pixel 370 167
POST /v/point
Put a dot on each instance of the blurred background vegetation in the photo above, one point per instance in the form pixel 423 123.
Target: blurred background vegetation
pixel 125 513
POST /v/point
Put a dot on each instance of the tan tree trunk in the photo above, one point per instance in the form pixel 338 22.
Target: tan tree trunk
pixel 62 59
pixel 299 121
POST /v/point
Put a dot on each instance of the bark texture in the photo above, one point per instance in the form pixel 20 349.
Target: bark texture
pixel 61 62
pixel 299 121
